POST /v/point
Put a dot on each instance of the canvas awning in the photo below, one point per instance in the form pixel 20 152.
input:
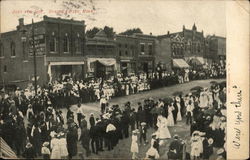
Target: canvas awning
pixel 198 60
pixel 104 61
pixel 180 63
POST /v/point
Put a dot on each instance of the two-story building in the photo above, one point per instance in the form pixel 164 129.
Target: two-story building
pixel 59 48
pixel 100 56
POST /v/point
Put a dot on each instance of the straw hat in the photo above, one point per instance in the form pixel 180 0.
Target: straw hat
pixel 143 124
pixel 45 144
pixel 220 151
pixel 136 131
pixel 28 145
pixel 210 141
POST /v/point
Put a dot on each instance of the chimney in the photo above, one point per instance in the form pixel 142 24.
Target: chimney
pixel 21 21
pixel 150 33
pixel 20 24
pixel 168 32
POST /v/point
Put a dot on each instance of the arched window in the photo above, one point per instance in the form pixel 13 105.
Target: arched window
pixel 78 44
pixel 1 50
pixel 52 43
pixel 66 43
pixel 13 49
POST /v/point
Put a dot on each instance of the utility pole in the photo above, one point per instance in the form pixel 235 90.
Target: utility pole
pixel 34 56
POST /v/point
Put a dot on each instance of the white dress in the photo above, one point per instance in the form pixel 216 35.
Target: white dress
pixel 55 146
pixel 63 147
pixel 162 124
pixel 179 118
pixel 170 116
pixel 134 144
pixel 196 146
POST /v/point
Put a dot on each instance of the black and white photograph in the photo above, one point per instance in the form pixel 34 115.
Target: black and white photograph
pixel 112 79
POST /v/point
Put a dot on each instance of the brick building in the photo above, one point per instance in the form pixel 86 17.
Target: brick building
pixel 145 54
pixel 216 49
pixel 59 45
pixel 100 56
pixel 190 43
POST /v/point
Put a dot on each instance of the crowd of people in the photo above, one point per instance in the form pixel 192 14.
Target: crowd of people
pixel 50 134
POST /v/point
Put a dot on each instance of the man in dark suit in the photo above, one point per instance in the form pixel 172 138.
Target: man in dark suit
pixel 175 111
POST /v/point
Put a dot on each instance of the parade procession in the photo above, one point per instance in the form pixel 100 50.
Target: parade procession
pixel 72 89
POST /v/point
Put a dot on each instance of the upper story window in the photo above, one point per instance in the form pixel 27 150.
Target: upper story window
pixel 52 43
pixel 12 49
pixel 1 50
pixel 126 53
pixel 120 53
pixel 66 43
pixel 126 46
pixel 142 48
pixel 78 44
pixel 150 49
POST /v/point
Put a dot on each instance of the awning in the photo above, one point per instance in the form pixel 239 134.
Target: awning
pixel 104 61
pixel 198 60
pixel 107 62
pixel 66 63
pixel 180 63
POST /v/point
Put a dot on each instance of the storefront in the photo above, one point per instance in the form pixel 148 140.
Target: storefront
pixel 101 67
pixel 62 70
pixel 127 67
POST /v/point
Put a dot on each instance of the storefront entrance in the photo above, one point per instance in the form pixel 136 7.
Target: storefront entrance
pixel 62 71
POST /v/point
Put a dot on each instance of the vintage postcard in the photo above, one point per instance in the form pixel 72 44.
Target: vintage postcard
pixel 135 79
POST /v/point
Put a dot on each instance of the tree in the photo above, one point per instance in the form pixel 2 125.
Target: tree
pixel 92 32
pixel 109 32
pixel 130 32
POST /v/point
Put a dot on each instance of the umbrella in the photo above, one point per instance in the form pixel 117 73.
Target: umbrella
pixel 168 100
pixel 177 93
pixel 156 110
pixel 213 82
pixel 197 88
pixel 223 84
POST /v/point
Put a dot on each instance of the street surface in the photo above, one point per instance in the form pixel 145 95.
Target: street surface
pixel 122 150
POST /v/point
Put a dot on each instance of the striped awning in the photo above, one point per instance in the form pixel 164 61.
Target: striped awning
pixel 180 63
pixel 5 151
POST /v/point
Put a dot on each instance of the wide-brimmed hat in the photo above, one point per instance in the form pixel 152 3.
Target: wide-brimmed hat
pixel 220 151
pixel 176 136
pixel 136 131
pixel 210 141
pixel 28 145
pixel 143 123
pixel 46 144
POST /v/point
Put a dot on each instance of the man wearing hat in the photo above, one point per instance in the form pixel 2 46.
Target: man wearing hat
pixel 103 102
pixel 83 122
pixel 175 148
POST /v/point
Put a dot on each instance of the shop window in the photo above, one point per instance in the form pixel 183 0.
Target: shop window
pixel 66 43
pixel 120 53
pixel 13 49
pixel 1 50
pixel 52 43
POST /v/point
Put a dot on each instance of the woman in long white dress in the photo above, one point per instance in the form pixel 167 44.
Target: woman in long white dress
pixel 170 115
pixel 162 124
pixel 134 145
pixel 55 147
pixel 178 103
pixel 63 146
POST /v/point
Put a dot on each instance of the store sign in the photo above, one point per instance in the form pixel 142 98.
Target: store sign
pixel 39 41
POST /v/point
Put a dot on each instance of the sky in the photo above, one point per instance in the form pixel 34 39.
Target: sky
pixel 151 16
